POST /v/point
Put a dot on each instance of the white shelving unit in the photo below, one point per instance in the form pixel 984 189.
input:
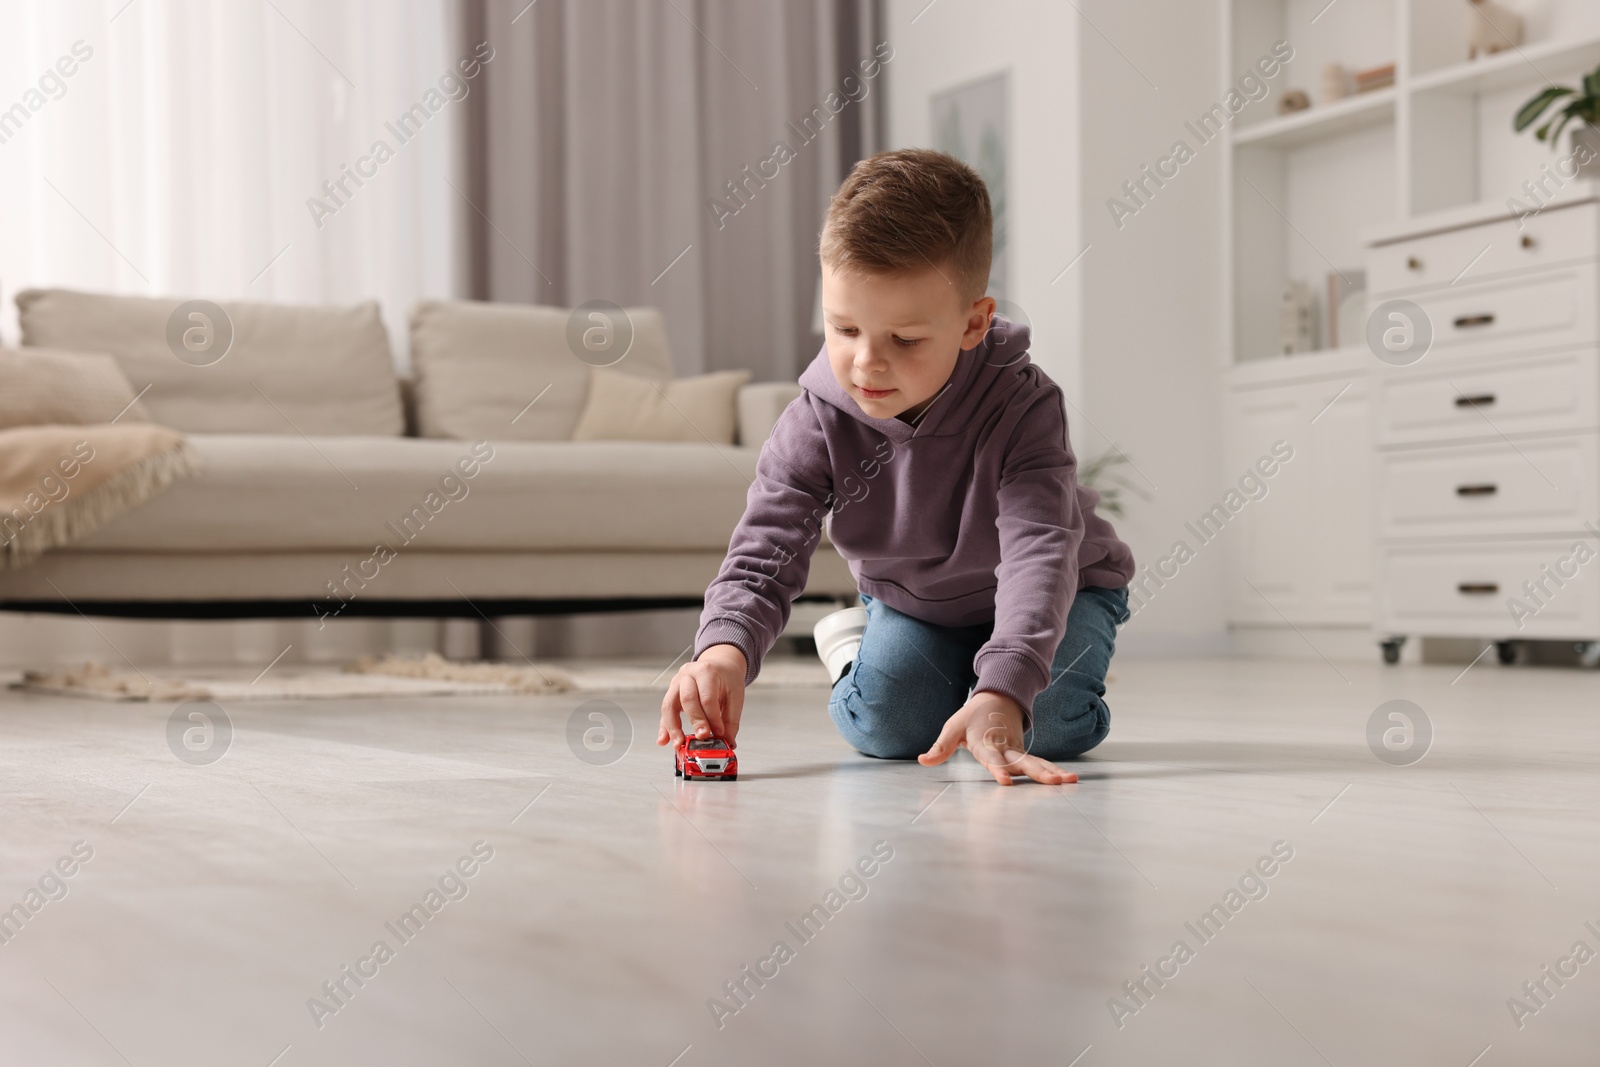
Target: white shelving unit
pixel 1319 123
pixel 1299 190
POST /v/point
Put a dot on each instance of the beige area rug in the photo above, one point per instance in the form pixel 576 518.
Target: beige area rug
pixel 393 676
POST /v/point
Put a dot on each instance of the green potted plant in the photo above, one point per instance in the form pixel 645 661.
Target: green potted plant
pixel 1101 475
pixel 1583 108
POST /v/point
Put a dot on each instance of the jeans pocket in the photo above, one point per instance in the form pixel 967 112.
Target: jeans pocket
pixel 1121 597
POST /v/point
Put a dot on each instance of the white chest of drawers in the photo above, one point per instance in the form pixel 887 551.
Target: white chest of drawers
pixel 1486 451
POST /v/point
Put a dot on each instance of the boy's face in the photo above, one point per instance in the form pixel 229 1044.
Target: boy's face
pixel 893 339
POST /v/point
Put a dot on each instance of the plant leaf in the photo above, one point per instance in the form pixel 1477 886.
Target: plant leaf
pixel 1566 117
pixel 1531 111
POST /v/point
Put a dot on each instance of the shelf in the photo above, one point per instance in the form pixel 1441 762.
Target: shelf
pixel 1319 122
pixel 1504 70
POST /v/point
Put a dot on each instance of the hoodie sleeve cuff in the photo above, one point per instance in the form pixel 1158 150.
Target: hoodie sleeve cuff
pixel 726 631
pixel 1015 675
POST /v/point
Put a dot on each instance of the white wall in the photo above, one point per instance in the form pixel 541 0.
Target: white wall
pixel 1152 331
pixel 1133 332
pixel 956 41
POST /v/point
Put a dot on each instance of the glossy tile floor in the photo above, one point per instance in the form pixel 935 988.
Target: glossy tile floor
pixel 609 905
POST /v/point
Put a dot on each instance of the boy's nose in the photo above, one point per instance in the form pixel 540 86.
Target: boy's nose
pixel 868 360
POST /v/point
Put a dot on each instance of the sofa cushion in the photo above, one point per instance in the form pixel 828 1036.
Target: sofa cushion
pixel 41 386
pixel 508 372
pixel 760 405
pixel 625 407
pixel 289 369
pixel 259 492
pixel 85 577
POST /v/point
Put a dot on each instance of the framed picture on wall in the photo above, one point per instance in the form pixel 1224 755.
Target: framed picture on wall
pixel 970 122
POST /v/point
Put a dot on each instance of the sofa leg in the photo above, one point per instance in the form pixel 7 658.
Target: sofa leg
pixel 462 639
pixel 510 638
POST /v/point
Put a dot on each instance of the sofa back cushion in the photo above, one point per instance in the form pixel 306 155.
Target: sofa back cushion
pixel 480 366
pixel 317 370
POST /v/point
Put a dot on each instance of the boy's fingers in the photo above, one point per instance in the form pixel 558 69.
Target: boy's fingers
pixel 711 703
pixel 671 729
pixel 733 715
pixel 949 740
pixel 1000 773
pixel 990 751
pixel 1044 771
pixel 689 694
pixel 1003 760
pixel 701 702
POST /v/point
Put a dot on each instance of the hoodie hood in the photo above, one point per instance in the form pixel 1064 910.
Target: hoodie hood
pixel 984 378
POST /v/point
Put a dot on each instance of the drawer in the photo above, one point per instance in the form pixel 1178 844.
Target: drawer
pixel 1560 235
pixel 1525 489
pixel 1526 313
pixel 1549 393
pixel 1479 590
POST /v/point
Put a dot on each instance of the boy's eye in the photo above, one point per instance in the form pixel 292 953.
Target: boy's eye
pixel 907 342
pixel 848 331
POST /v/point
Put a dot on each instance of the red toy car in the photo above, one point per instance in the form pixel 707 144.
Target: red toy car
pixel 709 757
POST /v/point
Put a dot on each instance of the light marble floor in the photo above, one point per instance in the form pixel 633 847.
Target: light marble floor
pixel 618 901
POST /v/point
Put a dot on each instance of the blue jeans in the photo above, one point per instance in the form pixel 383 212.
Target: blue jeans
pixel 910 676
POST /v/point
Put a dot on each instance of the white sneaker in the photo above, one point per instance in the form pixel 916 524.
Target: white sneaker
pixel 838 637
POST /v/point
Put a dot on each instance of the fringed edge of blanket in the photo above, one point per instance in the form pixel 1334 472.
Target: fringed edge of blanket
pixel 75 516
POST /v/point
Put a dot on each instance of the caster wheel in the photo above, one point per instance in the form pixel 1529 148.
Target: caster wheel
pixel 1391 652
pixel 1506 652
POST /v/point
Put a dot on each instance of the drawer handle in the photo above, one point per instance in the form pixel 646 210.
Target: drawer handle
pixel 1528 242
pixel 1466 322
pixel 1478 588
pixel 1482 400
pixel 1486 489
pixel 1413 263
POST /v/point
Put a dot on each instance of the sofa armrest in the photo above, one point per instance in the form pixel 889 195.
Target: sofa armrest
pixel 759 407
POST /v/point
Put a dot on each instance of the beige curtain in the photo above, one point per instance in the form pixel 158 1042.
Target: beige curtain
pixel 603 139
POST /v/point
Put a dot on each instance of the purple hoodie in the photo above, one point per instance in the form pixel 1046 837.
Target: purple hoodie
pixel 970 513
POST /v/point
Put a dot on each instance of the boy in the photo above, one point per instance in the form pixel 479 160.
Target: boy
pixel 937 454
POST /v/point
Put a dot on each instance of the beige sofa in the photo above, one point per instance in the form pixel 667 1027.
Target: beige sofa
pixel 330 488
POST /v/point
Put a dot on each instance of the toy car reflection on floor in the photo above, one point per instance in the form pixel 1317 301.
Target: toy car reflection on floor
pixel 709 757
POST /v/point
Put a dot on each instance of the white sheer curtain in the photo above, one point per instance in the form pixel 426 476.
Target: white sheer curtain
pixel 179 156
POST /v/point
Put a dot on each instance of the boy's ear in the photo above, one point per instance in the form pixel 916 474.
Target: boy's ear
pixel 978 318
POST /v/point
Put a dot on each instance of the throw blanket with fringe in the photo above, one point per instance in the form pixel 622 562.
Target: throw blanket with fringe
pixel 57 483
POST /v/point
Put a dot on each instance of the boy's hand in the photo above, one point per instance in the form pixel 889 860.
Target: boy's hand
pixel 711 690
pixel 990 726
